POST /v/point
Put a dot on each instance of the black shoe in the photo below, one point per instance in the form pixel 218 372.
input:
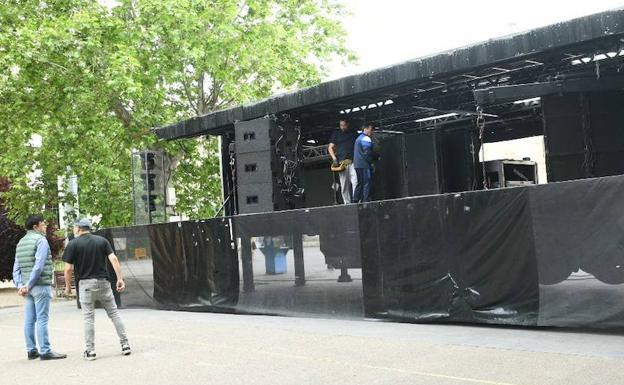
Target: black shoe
pixel 125 350
pixel 53 356
pixel 89 355
pixel 33 355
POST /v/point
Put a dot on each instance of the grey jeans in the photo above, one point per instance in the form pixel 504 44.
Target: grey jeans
pixel 92 290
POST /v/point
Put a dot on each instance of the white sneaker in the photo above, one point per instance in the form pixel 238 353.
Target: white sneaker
pixel 89 355
pixel 125 350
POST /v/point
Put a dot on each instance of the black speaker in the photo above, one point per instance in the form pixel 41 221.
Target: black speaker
pixel 563 136
pixel 423 164
pixel 389 180
pixel 459 159
pixel 318 186
pixel 583 135
pixel 606 129
pixel 255 135
pixel 255 165
pixel 409 165
pixel 257 198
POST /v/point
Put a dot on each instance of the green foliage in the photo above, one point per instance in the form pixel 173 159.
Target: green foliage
pixel 11 233
pixel 198 179
pixel 92 81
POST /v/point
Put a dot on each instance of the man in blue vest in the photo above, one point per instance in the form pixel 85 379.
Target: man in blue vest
pixel 363 158
pixel 32 275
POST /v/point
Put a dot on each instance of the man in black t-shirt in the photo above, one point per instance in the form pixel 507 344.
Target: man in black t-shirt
pixel 86 255
pixel 341 150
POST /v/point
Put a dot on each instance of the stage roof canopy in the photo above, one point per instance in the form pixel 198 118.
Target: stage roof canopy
pixel 437 82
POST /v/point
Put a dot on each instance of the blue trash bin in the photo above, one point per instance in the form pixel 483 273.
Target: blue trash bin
pixel 275 261
pixel 274 256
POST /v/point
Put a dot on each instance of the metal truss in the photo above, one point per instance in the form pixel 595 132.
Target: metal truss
pixel 314 154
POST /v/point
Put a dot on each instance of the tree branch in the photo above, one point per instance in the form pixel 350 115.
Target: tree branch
pixel 214 93
pixel 52 64
pixel 201 102
pixel 223 103
pixel 190 99
pixel 123 113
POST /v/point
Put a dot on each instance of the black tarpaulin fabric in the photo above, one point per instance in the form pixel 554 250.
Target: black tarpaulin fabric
pixel 186 265
pixel 579 238
pixel 170 280
pixel 131 245
pixel 195 265
pixel 548 255
pixel 317 245
pixel 461 257
pixel 406 259
pixel 493 257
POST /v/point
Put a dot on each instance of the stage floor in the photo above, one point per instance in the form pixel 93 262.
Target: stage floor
pixel 204 348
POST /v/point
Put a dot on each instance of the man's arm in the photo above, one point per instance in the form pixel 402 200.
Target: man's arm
pixel 17 277
pixel 332 152
pixel 117 267
pixel 41 255
pixel 17 274
pixel 69 270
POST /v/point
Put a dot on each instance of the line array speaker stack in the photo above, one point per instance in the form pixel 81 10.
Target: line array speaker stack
pixel 267 165
pixel 256 162
pixel 583 135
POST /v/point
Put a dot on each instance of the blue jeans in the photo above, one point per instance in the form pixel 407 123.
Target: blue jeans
pixel 363 187
pixel 37 313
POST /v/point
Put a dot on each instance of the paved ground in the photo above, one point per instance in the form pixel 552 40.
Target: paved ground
pixel 8 295
pixel 201 348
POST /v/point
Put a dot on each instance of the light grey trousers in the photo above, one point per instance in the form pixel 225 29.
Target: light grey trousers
pixel 92 290
pixel 348 181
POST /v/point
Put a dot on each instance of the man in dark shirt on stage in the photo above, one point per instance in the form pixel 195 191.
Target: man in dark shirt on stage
pixel 341 150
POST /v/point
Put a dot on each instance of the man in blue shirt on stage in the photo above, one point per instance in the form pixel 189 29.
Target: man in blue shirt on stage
pixel 363 158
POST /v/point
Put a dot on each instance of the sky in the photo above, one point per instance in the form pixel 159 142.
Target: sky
pixel 386 32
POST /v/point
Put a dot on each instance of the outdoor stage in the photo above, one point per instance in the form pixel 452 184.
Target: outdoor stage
pixel 440 242
pixel 545 255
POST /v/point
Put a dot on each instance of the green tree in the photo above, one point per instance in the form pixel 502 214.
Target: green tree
pixel 92 80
